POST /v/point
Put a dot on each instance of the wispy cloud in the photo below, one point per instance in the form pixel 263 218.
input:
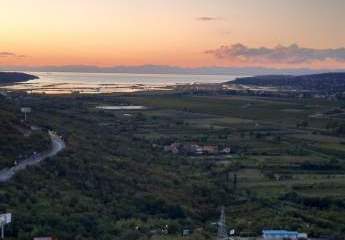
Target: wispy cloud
pixel 208 19
pixel 280 54
pixel 11 54
pixel 7 54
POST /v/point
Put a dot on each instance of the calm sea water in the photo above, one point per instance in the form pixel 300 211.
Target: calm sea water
pixel 58 82
pixel 127 78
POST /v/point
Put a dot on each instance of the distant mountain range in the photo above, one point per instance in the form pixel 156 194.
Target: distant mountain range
pixel 161 69
pixel 325 82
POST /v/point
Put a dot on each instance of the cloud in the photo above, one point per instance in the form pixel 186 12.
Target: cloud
pixel 280 54
pixel 7 54
pixel 208 19
pixel 11 54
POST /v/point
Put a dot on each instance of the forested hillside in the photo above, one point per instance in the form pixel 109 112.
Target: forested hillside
pixel 17 140
pixel 11 77
pixel 115 180
pixel 327 82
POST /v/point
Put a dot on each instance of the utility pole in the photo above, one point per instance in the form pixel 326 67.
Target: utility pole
pixel 2 230
pixel 222 232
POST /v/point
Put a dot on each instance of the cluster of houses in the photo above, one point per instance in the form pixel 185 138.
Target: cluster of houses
pixel 195 149
pixel 266 235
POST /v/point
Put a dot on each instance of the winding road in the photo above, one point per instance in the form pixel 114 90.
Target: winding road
pixel 57 146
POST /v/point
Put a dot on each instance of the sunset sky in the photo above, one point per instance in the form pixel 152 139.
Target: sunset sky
pixel 275 33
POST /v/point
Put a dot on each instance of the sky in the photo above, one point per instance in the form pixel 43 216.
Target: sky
pixel 188 33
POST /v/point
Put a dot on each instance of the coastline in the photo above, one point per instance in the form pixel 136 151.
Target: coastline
pixel 85 83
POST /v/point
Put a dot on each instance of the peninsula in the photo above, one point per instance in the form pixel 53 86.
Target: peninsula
pixel 12 77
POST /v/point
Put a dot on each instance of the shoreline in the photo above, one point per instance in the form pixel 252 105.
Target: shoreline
pixel 278 85
pixel 51 83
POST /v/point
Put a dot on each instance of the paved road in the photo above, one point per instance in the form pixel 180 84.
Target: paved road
pixel 57 146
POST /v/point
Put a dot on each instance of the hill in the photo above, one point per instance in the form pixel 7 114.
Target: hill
pixel 11 77
pixel 115 179
pixel 17 140
pixel 326 82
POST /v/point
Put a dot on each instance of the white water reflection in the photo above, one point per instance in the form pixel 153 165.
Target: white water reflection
pixel 94 83
pixel 121 107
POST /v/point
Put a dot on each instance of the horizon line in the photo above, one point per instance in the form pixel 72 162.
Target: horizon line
pixel 169 69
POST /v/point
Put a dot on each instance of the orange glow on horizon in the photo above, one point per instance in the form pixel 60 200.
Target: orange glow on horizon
pixel 163 32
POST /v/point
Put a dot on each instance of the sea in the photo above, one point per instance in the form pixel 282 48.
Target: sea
pixel 93 83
